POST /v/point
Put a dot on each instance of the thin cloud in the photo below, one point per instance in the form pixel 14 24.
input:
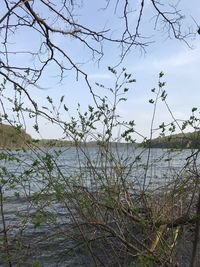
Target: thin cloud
pixel 182 59
pixel 176 62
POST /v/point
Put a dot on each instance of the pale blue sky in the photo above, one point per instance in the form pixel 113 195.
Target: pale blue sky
pixel 180 64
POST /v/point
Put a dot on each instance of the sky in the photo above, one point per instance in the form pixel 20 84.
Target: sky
pixel 180 64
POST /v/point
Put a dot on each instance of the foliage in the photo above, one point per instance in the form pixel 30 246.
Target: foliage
pixel 177 141
pixel 98 202
pixel 92 201
pixel 13 137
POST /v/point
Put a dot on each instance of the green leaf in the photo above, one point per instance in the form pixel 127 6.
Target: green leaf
pixel 137 158
pixel 90 108
pixel 36 127
pixel 62 98
pixel 112 70
pixel 37 264
pixel 161 84
pixel 132 81
pixel 194 109
pixel 161 74
pixel 49 99
pixel 65 108
pixel 58 190
pixel 18 244
pixel 17 194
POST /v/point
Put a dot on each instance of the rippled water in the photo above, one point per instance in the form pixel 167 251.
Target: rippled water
pixel 75 161
pixel 28 173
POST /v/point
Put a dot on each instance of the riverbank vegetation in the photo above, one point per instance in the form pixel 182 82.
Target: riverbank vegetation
pixel 177 141
pixel 109 206
pixel 86 199
pixel 13 138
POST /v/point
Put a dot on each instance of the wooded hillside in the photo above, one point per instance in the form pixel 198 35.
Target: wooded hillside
pixel 11 137
pixel 186 140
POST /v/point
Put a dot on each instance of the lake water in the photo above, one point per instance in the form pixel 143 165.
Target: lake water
pixel 144 168
pixel 25 173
